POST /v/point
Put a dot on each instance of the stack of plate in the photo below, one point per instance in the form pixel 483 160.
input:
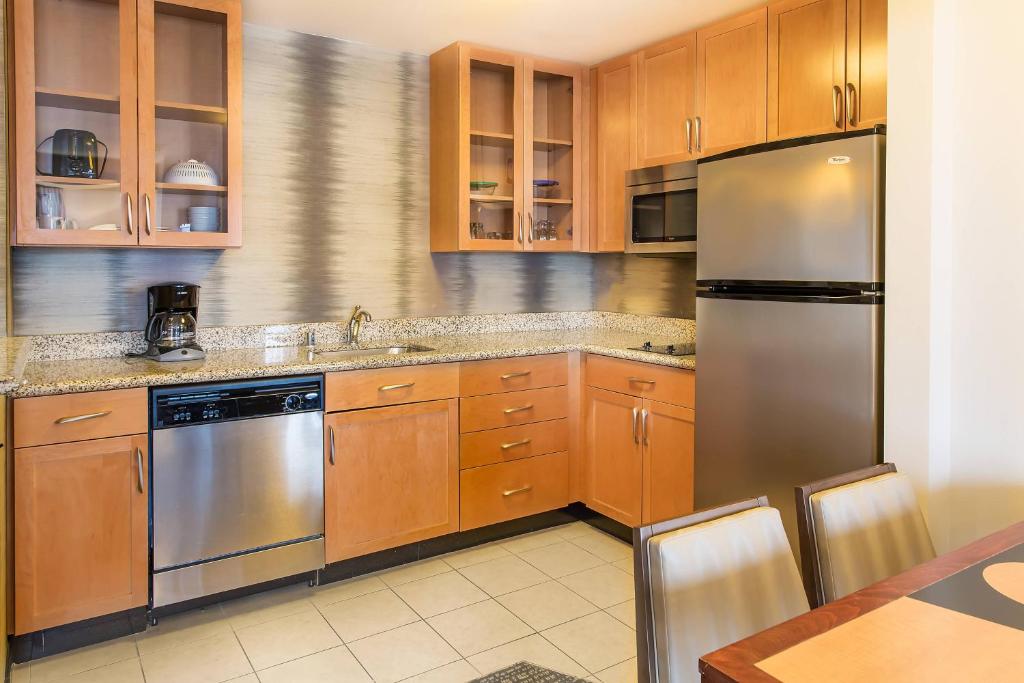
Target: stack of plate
pixel 204 218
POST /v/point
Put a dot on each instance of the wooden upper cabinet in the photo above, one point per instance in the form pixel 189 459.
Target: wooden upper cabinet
pixel 81 538
pixel 732 83
pixel 866 62
pixel 614 464
pixel 806 67
pixel 666 111
pixel 668 437
pixel 615 107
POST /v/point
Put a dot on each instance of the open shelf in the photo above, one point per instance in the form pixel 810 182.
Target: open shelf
pixel 189 188
pixel 81 100
pixel 494 198
pixel 197 113
pixel 82 183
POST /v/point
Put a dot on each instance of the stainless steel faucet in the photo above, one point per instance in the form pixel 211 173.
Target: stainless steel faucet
pixel 359 316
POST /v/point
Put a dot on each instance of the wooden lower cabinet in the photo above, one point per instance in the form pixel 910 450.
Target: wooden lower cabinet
pixel 614 469
pixel 81 535
pixel 390 477
pixel 509 490
pixel 668 461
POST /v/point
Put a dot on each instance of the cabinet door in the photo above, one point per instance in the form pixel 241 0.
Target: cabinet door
pixel 806 67
pixel 81 535
pixel 614 462
pixel 190 110
pixel 666 75
pixel 390 477
pixel 668 461
pixel 866 62
pixel 732 83
pixel 75 142
pixel 616 149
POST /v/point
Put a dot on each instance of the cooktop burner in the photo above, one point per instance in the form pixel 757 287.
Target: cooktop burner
pixel 679 349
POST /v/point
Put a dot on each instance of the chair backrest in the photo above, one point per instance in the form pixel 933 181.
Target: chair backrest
pixel 707 580
pixel 858 528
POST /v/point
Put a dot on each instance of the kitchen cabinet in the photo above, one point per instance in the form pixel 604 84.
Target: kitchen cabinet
pixel 81 535
pixel 615 112
pixel 506 152
pixel 866 62
pixel 668 441
pixel 732 83
pixel 666 111
pixel 614 458
pixel 390 477
pixel 126 88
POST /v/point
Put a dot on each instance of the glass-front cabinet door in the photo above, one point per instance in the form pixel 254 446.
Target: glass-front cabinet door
pixel 75 122
pixel 190 146
pixel 553 161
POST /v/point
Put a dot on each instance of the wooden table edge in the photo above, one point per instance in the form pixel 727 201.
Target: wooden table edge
pixel 738 661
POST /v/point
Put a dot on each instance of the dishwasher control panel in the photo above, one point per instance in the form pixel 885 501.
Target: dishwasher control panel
pixel 207 403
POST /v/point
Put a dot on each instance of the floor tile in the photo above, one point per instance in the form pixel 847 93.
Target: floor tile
pixel 128 671
pixel 263 607
pixel 604 586
pixel 597 641
pixel 20 673
pixel 465 558
pixel 626 672
pixel 503 575
pixel 368 615
pixel 456 672
pixel 210 660
pixel 572 530
pixel 546 605
pixel 534 649
pixel 180 629
pixel 331 593
pixel 287 638
pixel 403 652
pixel 479 627
pixel 561 559
pixel 526 542
pixel 441 593
pixel 625 565
pixel 605 546
pixel 336 665
pixel 247 678
pixel 83 659
pixel 624 612
pixel 412 572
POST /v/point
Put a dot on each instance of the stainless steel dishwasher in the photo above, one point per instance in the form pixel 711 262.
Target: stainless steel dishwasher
pixel 237 485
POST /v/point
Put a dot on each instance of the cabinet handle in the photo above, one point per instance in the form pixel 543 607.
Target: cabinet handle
pixel 696 133
pixel 131 216
pixel 138 462
pixel 149 216
pixel 513 375
pixel 81 418
pixel 392 387
pixel 639 380
pixel 529 235
pixel 513 444
pixel 330 432
pixel 689 136
pixel 509 411
pixel 643 424
pixel 636 434
pixel 851 104
pixel 512 492
pixel 837 95
pixel 520 214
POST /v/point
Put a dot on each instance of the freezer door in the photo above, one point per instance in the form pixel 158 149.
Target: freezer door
pixel 790 215
pixel 787 393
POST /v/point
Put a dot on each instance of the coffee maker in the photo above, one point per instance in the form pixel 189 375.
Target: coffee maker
pixel 171 328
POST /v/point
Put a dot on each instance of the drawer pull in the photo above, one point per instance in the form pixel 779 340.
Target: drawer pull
pixel 509 411
pixel 513 375
pixel 639 380
pixel 512 492
pixel 392 387
pixel 513 444
pixel 81 418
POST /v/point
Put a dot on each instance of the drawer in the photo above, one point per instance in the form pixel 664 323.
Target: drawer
pixel 657 382
pixel 513 408
pixel 513 374
pixel 390 386
pixel 509 490
pixel 77 417
pixel 513 443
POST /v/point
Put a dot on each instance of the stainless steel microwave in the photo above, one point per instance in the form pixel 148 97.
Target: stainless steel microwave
pixel 661 209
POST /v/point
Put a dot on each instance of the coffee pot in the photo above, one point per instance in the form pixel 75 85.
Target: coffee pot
pixel 171 328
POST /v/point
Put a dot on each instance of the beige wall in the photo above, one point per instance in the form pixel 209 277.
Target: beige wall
pixel 954 407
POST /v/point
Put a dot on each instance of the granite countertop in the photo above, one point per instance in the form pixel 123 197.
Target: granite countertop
pixel 47 377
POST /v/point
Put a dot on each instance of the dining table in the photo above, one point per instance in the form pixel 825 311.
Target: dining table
pixel 958 617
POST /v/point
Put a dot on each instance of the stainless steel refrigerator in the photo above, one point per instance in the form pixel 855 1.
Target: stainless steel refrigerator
pixel 790 280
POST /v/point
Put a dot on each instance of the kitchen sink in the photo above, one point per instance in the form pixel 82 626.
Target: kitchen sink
pixel 350 352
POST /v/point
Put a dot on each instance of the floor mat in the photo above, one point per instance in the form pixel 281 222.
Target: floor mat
pixel 524 672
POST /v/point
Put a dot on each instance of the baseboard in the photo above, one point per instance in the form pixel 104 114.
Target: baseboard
pixel 51 641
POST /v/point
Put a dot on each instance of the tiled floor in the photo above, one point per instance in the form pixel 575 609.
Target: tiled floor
pixel 561 598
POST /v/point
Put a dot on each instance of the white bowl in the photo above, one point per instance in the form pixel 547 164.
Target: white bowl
pixel 191 172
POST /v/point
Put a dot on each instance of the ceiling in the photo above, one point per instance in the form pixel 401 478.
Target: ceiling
pixel 586 31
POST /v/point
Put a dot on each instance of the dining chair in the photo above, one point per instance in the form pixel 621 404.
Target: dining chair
pixel 709 579
pixel 858 528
